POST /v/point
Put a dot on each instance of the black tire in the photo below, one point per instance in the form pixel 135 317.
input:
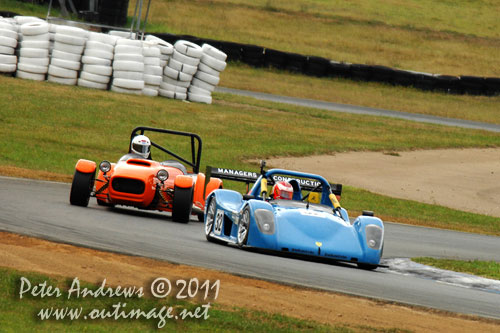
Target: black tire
pixel 209 223
pixel 82 186
pixel 182 205
pixel 201 217
pixel 243 228
pixel 368 267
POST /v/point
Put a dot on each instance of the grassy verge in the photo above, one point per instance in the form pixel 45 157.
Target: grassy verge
pixel 488 269
pixel 476 108
pixel 418 35
pixel 49 127
pixel 28 8
pixel 18 314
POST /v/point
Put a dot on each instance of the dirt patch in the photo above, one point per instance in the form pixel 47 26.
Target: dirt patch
pixel 31 254
pixel 463 179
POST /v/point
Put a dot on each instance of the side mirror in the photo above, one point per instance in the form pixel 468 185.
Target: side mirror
pixel 368 213
pixel 262 166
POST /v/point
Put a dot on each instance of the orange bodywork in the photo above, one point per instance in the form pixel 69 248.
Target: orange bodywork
pixel 200 194
pixel 184 181
pixel 85 166
pixel 134 183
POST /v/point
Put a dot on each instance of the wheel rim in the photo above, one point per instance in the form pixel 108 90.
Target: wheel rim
pixel 210 217
pixel 243 227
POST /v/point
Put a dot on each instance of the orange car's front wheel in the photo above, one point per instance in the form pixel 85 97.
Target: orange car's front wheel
pixel 81 188
pixel 182 204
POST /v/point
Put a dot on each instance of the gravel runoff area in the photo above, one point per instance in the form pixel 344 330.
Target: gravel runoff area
pixel 463 179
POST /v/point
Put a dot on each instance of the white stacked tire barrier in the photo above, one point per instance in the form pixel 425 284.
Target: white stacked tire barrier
pixel 128 67
pixel 152 69
pixel 20 20
pixel 181 67
pixel 66 56
pixel 122 34
pixel 33 62
pixel 213 61
pixel 71 55
pixel 52 37
pixel 8 43
pixel 97 61
pixel 166 49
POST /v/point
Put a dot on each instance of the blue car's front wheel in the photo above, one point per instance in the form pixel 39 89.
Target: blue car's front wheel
pixel 210 219
pixel 243 227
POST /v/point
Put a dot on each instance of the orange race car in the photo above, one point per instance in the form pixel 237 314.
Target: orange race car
pixel 137 180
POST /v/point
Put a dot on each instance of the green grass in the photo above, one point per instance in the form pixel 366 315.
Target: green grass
pixel 416 14
pixel 488 269
pixel 49 127
pixel 430 36
pixel 21 315
pixel 28 8
pixel 447 37
pixel 476 108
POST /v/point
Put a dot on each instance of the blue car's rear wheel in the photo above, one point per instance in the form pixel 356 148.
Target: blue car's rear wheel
pixel 243 227
pixel 82 186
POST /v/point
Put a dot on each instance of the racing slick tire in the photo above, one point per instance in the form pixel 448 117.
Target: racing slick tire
pixel 243 228
pixel 201 217
pixel 82 186
pixel 209 225
pixel 182 204
pixel 368 267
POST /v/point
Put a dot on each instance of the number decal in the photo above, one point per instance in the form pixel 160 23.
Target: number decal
pixel 219 218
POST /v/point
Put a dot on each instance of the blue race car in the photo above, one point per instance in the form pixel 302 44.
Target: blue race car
pixel 308 221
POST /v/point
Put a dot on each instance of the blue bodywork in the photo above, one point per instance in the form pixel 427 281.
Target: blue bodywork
pixel 296 226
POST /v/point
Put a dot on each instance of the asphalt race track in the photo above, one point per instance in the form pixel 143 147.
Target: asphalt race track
pixel 347 108
pixel 42 209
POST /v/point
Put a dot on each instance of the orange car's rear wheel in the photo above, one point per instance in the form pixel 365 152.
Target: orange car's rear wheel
pixel 182 204
pixel 82 186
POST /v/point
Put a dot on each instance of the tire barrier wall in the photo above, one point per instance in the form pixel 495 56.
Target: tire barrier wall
pixel 31 48
pixel 258 56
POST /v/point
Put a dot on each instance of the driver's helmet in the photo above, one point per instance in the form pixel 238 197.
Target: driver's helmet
pixel 282 190
pixel 141 145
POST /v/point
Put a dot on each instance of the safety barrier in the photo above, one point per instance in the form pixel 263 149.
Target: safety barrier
pixel 259 56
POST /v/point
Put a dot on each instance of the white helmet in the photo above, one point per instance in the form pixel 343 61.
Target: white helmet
pixel 141 145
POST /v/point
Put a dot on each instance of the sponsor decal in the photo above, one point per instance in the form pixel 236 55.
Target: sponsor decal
pixel 303 182
pixel 336 256
pixel 302 251
pixel 239 173
pixel 219 219
pixel 310 212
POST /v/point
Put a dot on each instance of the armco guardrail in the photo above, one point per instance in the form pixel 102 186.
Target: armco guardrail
pixel 321 67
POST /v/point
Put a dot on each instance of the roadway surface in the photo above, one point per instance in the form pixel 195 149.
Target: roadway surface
pixel 42 209
pixel 337 107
